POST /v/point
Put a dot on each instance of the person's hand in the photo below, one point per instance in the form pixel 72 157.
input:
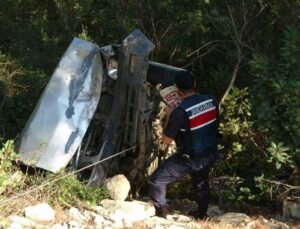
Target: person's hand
pixel 168 110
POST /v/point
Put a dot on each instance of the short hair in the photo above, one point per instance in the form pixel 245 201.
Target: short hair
pixel 184 80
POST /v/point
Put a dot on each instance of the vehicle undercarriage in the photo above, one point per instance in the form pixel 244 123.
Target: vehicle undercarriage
pixel 128 115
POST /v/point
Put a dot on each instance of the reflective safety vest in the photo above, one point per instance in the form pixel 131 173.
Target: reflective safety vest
pixel 201 137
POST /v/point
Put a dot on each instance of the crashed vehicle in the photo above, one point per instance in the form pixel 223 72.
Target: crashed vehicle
pixel 98 102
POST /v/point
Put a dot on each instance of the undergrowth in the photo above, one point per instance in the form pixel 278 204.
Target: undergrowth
pixel 18 189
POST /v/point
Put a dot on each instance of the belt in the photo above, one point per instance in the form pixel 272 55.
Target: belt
pixel 196 156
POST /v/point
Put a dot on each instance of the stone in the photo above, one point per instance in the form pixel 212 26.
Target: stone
pixel 87 215
pixel 118 187
pixel 107 224
pixel 75 214
pixel 158 222
pixel 21 220
pixel 98 220
pixel 118 224
pixel 74 223
pixel 149 207
pixel 291 208
pixel 234 218
pixel 127 212
pixel 179 218
pixel 183 205
pixel 138 214
pixel 97 208
pixel 214 211
pixel 194 225
pixel 176 227
pixel 139 225
pixel 59 226
pixel 252 224
pixel 40 213
pixel 15 226
pixel 158 227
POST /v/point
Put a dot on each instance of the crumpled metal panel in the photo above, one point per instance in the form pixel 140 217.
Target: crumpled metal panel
pixel 64 111
pixel 124 117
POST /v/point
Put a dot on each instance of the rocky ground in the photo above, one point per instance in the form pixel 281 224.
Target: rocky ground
pixel 118 213
pixel 134 214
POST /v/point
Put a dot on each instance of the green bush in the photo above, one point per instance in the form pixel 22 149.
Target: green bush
pixel 261 128
pixel 71 192
pixel 61 188
pixel 241 161
pixel 277 103
pixel 10 177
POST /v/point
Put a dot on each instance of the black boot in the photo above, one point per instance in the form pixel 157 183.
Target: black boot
pixel 161 212
pixel 198 215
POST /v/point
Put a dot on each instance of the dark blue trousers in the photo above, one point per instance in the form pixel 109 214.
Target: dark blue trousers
pixel 175 167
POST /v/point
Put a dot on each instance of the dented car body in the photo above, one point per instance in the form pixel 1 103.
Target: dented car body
pixel 62 115
pixel 98 102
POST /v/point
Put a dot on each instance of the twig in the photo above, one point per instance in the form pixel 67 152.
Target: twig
pixel 234 74
pixel 173 53
pixel 203 46
pixel 238 43
pixel 282 184
pixel 152 23
pixel 202 55
pixel 167 30
pixel 289 188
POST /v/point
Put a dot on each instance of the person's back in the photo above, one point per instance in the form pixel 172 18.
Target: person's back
pixel 201 135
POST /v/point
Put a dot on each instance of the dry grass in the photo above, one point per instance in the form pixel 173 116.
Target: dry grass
pixel 15 204
pixel 39 188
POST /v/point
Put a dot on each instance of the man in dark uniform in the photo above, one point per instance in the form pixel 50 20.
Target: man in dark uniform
pixel 193 126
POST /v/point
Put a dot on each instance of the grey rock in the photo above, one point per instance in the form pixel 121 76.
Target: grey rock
pixel 21 220
pixel 97 208
pixel 98 220
pixel 234 219
pixel 118 187
pixel 59 226
pixel 40 213
pixel 74 223
pixel 291 208
pixel 15 225
pixel 140 215
pixel 214 211
pixel 128 211
pixel 76 215
pixel 179 218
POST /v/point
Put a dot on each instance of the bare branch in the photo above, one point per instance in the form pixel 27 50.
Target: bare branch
pixel 202 55
pixel 234 74
pixel 282 184
pixel 152 22
pixel 246 22
pixel 15 72
pixel 203 46
pixel 173 53
pixel 142 25
pixel 234 27
pixel 167 30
